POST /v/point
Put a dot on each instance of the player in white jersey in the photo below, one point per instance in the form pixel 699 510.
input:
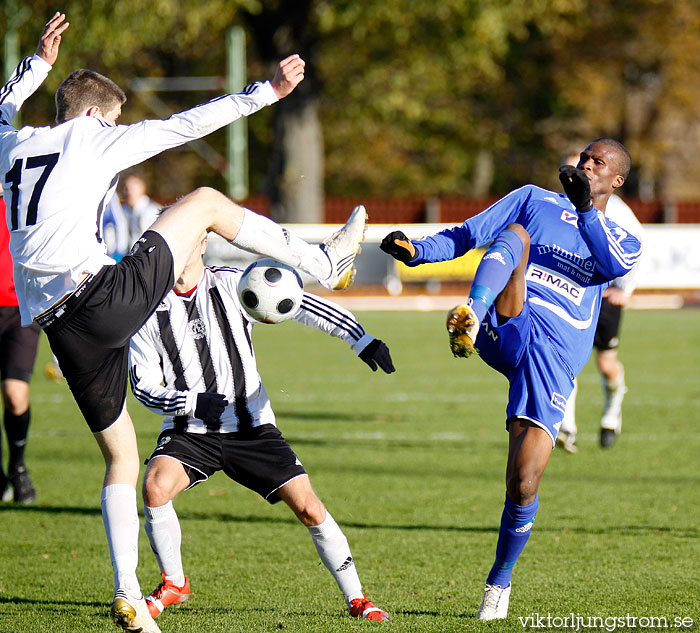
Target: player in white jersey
pixel 193 362
pixel 57 181
pixel 531 316
pixel 607 339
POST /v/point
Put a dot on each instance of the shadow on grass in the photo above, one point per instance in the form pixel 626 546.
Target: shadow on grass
pixel 571 530
pixel 325 416
pixel 16 600
pixel 340 614
pixel 46 509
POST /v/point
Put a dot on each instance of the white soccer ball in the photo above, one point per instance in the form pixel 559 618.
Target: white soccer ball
pixel 270 291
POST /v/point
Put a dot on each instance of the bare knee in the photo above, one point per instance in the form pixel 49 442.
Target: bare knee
pixel 522 485
pixel 303 501
pixel 522 233
pixel 608 364
pixel 208 195
pixel 15 396
pixel 155 494
pixel 312 512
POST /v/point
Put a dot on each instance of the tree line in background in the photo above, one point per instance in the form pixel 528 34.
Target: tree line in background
pixel 461 98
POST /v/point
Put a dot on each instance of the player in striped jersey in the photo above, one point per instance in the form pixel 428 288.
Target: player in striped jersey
pixel 57 181
pixel 531 315
pixel 193 362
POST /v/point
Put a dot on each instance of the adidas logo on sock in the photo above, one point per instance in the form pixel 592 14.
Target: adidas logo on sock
pixel 346 565
pixel 524 528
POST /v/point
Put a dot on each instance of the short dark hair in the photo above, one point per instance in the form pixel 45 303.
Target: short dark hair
pixel 84 88
pixel 624 160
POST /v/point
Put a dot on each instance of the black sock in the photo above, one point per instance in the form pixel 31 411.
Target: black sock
pixel 16 428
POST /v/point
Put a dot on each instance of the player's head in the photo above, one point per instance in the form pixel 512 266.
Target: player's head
pixel 133 188
pixel 607 163
pixel 87 93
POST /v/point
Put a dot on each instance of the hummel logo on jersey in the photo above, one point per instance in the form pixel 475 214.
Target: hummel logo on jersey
pixel 197 329
pixel 163 441
pixel 137 245
pixel 558 401
pixel 524 528
pixel 569 218
pixel 552 200
pixel 497 256
pixel 346 565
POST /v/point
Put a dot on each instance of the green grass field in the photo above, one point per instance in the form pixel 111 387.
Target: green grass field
pixel 412 467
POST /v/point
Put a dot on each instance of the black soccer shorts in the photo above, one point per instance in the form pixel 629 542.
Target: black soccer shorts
pixel 259 458
pixel 18 345
pixel 89 332
pixel 608 329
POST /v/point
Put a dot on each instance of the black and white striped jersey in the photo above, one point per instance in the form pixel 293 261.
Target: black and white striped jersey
pixel 202 342
pixel 57 180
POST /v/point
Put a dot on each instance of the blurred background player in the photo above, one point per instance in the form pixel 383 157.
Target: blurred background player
pixel 18 347
pixel 115 230
pixel 140 210
pixel 193 362
pixel 606 341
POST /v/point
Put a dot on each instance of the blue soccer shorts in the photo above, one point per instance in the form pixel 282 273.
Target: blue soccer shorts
pixel 540 380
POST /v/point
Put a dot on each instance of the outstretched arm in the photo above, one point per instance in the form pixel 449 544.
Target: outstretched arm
pixel 50 39
pixel 31 72
pixel 130 145
pixel 326 315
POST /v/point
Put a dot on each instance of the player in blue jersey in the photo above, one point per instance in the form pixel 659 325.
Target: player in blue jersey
pixel 531 315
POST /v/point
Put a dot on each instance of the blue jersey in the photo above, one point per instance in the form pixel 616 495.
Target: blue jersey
pixel 573 258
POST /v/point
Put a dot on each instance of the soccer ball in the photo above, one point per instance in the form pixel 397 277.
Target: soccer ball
pixel 270 291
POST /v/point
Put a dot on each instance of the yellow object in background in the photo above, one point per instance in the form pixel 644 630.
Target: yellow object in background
pixel 460 269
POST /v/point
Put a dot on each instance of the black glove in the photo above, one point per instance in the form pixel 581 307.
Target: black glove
pixel 397 251
pixel 577 187
pixel 377 353
pixel 210 406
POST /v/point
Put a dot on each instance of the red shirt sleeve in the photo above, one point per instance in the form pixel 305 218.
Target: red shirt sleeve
pixel 7 284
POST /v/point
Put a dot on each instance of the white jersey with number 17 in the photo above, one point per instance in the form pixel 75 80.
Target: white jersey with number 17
pixel 57 180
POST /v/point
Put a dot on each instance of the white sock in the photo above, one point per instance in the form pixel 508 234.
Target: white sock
pixel 568 424
pixel 260 235
pixel 121 520
pixel 333 548
pixel 614 393
pixel 163 529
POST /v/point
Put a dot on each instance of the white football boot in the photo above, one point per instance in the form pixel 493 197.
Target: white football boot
pixel 567 441
pixel 342 247
pixel 131 614
pixel 494 605
pixel 611 422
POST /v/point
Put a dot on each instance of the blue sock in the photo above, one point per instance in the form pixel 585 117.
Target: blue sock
pixel 516 525
pixel 495 270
